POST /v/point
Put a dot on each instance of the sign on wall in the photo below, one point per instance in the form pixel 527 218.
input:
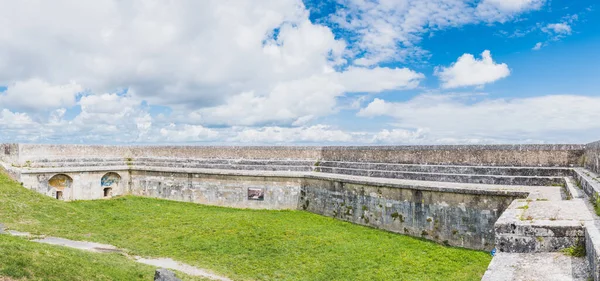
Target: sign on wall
pixel 256 194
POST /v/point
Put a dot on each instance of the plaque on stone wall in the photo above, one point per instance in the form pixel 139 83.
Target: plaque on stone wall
pixel 256 194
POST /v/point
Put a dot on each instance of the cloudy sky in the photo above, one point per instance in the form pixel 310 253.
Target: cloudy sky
pixel 299 72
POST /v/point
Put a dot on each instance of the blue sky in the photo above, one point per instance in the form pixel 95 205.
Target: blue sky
pixel 300 72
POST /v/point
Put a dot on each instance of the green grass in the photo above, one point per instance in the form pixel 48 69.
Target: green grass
pixel 577 250
pixel 595 201
pixel 24 260
pixel 241 244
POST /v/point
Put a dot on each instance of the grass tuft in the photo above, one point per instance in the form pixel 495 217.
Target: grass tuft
pixel 577 250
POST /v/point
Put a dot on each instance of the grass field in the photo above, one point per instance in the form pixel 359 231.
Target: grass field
pixel 239 244
pixel 24 260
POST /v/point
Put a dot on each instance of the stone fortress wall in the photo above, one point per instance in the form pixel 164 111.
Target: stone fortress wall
pixel 591 157
pixel 515 198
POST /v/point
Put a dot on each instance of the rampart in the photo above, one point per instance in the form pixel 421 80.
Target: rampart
pixel 560 155
pixel 591 157
pixel 515 198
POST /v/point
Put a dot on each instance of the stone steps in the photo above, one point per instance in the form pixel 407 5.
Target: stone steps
pixel 441 177
pixel 528 226
pixel 452 169
pixel 536 267
pixel 535 176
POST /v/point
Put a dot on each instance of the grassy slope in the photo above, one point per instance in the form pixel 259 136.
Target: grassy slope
pixel 241 244
pixel 24 260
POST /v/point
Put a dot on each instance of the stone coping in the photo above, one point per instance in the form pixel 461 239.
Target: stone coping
pixel 588 181
pixel 549 155
pixel 441 174
pixel 368 147
pixel 536 267
pixel 592 248
pixel 321 162
pixel 468 188
pixel 530 147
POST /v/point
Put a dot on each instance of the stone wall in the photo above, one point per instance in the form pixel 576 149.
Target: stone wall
pixel 84 185
pixel 32 152
pixel 564 155
pixel 348 183
pixel 452 218
pixel 492 155
pixel 219 190
pixel 9 152
pixel 592 156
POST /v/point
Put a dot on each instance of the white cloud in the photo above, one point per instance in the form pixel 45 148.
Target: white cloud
pixel 316 133
pixel 390 30
pixel 513 5
pixel 554 117
pixel 11 120
pixel 212 62
pixel 247 64
pixel 359 79
pixel 187 133
pixel 38 95
pixel 400 136
pixel 558 28
pixel 108 117
pixel 537 46
pixel 18 127
pixel 284 104
pixel 296 101
pixel 106 104
pixel 469 71
pixel 185 53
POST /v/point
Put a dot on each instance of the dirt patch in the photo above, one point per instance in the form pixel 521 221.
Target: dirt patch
pixel 4 278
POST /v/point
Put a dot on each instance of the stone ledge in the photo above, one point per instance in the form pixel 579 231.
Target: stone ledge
pixel 521 147
pixel 446 177
pixel 451 169
pixel 471 188
pixel 441 173
pixel 536 267
pixel 542 226
pixel 588 181
pixel 592 248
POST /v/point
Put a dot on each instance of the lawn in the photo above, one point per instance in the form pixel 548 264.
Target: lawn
pixel 24 260
pixel 240 244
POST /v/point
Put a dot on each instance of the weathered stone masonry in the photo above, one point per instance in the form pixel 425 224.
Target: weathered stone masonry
pixel 516 198
pixel 451 218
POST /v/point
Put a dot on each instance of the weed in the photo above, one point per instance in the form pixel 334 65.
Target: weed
pixel 577 250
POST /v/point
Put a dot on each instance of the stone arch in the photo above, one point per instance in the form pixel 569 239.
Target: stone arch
pixel 109 182
pixel 59 183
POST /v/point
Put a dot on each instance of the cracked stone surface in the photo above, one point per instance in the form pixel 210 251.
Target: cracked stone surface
pixel 536 267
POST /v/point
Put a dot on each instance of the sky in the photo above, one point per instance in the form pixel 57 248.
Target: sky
pixel 292 72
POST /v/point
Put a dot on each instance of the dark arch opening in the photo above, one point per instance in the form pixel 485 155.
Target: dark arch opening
pixel 59 183
pixel 109 182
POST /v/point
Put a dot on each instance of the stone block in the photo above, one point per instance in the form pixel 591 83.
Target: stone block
pixel 162 274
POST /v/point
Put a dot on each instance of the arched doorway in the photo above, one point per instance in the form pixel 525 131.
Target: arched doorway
pixel 109 183
pixel 59 183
